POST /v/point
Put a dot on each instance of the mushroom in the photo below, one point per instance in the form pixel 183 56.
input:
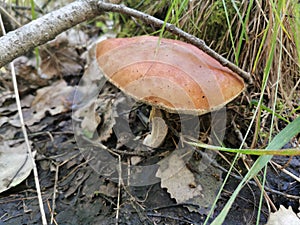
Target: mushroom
pixel 167 74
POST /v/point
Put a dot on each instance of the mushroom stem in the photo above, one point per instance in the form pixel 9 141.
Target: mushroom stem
pixel 159 129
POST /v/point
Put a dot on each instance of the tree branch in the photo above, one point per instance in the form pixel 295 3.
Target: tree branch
pixel 46 28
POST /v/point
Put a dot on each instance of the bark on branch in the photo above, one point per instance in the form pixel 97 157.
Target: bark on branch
pixel 46 28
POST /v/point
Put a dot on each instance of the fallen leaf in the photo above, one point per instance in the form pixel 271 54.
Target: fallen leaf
pixel 60 56
pixel 100 110
pixel 54 99
pixel 283 217
pixel 89 118
pixel 90 83
pixel 9 108
pixel 108 111
pixel 3 120
pixel 15 164
pixel 5 95
pixel 109 190
pixel 28 75
pixel 198 190
pixel 89 107
pixel 178 179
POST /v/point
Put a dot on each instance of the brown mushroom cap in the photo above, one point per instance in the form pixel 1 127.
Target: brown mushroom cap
pixel 168 74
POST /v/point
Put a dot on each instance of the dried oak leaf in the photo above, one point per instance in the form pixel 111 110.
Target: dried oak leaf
pixel 54 99
pixel 28 75
pixel 197 190
pixel 178 179
pixel 15 164
pixel 100 111
pixel 283 217
pixel 61 56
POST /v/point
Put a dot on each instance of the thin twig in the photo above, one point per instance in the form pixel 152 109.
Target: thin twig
pixel 286 171
pixel 54 193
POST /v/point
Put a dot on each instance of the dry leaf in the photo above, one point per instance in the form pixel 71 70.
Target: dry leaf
pixel 9 109
pixel 6 95
pixel 158 133
pixel 108 111
pixel 28 75
pixel 178 180
pixel 3 120
pixel 15 164
pixel 25 103
pixel 101 109
pixel 90 83
pixel 283 217
pixel 90 107
pixel 60 57
pixel 54 99
pixel 198 190
pixel 89 118
pixel 109 190
pixel 134 160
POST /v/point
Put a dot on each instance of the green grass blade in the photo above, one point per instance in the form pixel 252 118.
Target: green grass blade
pixel 288 151
pixel 33 13
pixel 263 107
pixel 179 8
pixel 230 31
pixel 275 8
pixel 162 30
pixel 278 142
pixel 243 35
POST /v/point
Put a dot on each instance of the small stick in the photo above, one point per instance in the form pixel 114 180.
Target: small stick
pixel 54 194
pixel 286 171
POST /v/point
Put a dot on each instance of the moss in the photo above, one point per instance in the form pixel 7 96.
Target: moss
pixel 134 27
pixel 216 24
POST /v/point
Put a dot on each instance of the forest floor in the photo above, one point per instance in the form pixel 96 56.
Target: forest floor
pixel 79 178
